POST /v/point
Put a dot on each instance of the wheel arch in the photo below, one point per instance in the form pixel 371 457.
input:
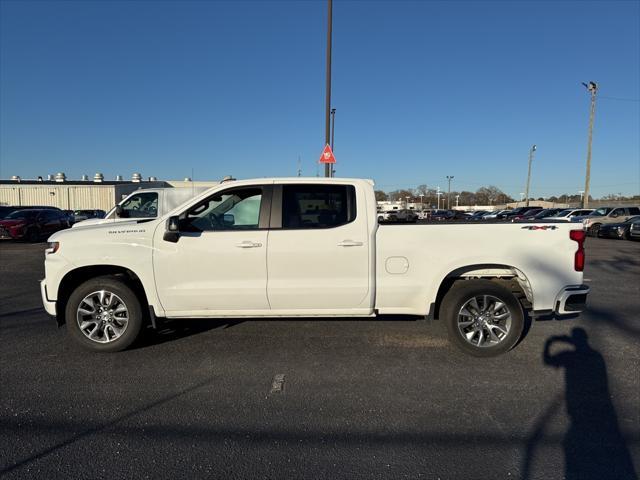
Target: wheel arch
pixel 508 275
pixel 75 277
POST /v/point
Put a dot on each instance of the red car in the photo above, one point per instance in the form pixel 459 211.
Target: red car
pixel 32 225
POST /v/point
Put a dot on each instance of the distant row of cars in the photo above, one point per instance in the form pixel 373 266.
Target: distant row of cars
pixel 605 222
pixel 36 223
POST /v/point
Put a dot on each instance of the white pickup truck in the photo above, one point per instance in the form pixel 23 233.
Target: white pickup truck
pixel 296 247
pixel 145 203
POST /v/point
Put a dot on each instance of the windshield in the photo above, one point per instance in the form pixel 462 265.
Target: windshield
pixel 600 212
pixel 21 215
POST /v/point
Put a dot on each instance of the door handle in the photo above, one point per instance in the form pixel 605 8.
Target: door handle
pixel 248 244
pixel 350 243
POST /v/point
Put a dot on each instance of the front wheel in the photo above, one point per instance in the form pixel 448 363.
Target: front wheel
pixel 483 318
pixel 104 315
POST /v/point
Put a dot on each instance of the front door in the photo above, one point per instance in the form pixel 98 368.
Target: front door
pixel 218 263
pixel 319 251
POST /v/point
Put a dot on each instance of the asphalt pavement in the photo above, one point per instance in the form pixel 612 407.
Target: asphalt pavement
pixel 323 399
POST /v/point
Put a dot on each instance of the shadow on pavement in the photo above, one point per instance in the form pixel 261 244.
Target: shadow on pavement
pixel 594 447
pixel 170 330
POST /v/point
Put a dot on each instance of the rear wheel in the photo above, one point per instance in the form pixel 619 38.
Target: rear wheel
pixel 483 318
pixel 104 315
pixel 594 229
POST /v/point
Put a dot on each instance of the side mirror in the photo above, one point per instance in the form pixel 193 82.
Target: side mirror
pixel 119 211
pixel 228 219
pixel 172 233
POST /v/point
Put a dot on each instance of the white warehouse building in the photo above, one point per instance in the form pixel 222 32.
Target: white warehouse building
pixel 84 194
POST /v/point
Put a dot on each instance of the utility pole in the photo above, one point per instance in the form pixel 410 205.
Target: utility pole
pixel 457 200
pixel 449 178
pixel 333 131
pixel 592 87
pixel 526 192
pixel 438 193
pixel 328 166
pixel 299 167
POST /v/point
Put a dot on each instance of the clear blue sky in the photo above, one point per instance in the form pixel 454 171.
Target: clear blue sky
pixel 422 90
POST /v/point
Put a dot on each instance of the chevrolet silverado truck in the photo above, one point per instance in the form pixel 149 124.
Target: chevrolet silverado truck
pixel 309 248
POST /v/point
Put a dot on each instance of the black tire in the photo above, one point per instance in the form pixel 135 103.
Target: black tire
pixel 594 229
pixel 129 298
pixel 465 290
pixel 32 235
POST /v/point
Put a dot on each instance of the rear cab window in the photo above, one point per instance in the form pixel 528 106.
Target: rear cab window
pixel 309 206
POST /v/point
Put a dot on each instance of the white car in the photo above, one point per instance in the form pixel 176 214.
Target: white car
pixel 308 247
pixel 145 203
pixel 570 214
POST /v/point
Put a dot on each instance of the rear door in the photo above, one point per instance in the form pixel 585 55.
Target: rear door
pixel 318 254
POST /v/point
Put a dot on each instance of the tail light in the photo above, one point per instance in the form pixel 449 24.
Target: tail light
pixel 578 236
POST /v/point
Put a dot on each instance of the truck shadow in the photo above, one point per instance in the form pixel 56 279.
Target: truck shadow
pixel 171 330
pixel 593 445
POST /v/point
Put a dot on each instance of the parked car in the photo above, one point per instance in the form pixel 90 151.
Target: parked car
pixel 540 214
pixel 70 216
pixel 568 214
pixel 308 247
pixel 447 215
pixel 519 213
pixel 32 224
pixel 81 215
pixel 4 211
pixel 634 231
pixel 617 230
pixel 477 215
pixel 398 216
pixel 605 215
pixel 497 215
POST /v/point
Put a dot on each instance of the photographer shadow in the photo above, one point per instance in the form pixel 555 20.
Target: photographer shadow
pixel 594 447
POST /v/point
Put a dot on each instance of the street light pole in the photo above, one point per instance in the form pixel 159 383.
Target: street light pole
pixel 592 87
pixel 328 166
pixel 531 151
pixel 457 200
pixel 449 178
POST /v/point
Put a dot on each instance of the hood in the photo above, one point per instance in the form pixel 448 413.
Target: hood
pixel 93 227
pixel 12 223
pixel 111 221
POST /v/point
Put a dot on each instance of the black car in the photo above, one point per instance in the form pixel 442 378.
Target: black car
pixel 448 216
pixel 540 214
pixel 5 211
pixel 520 212
pixel 477 215
pixel 617 230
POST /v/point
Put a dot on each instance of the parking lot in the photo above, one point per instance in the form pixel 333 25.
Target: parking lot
pixel 377 398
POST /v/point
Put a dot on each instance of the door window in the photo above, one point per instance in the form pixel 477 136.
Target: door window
pixel 317 206
pixel 237 209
